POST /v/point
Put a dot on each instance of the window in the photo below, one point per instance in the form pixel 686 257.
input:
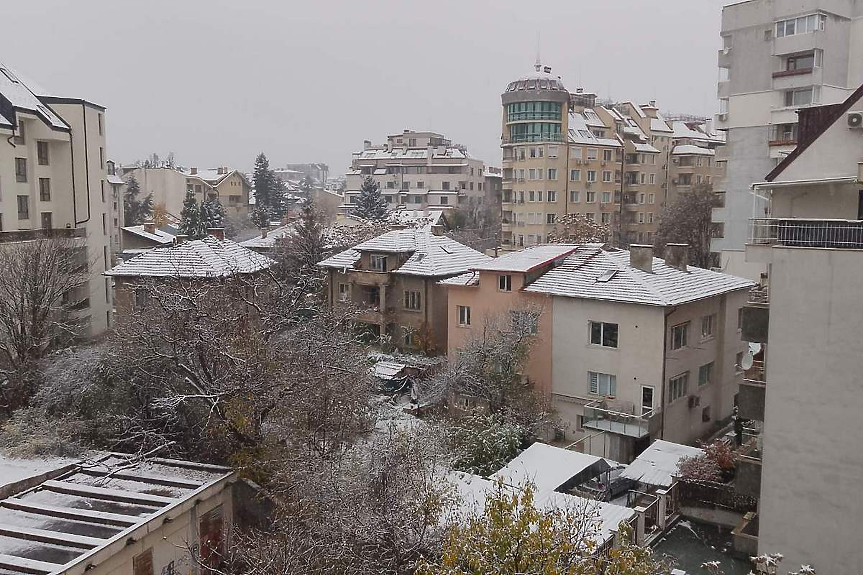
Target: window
pixel 590 215
pixel 591 197
pixel 606 176
pixel 803 97
pixel 802 25
pixel 601 383
pixel 412 300
pixel 47 222
pixel 678 386
pixel 678 335
pixel 550 218
pixel 102 188
pixel 604 334
pixel 552 196
pixel 532 152
pixel 605 217
pixel 705 373
pixel 651 198
pixel 707 325
pixel 45 189
pixel 646 399
pixel 640 217
pixel 42 153
pixel 104 224
pixel 444 185
pixel 378 263
pixel 591 175
pixel 101 129
pixel 504 282
pixel 552 151
pixel 21 170
pixel 23 207
pixel 552 173
pixel 592 153
pixel 524 322
pixel 606 155
pixel 539 196
pixel 652 179
pixel 575 153
pixel 531 196
pixel 142 564
pixel 344 292
pixel 649 217
pixel 573 197
pixel 531 174
pixel 420 185
pixel 444 200
pixel 575 175
pixel 463 315
pixel 408 336
pixel 102 158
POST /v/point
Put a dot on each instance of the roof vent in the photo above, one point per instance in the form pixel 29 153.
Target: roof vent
pixel 676 256
pixel 641 257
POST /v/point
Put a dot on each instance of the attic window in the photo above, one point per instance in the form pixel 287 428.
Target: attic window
pixel 446 249
pixel 10 76
pixel 606 276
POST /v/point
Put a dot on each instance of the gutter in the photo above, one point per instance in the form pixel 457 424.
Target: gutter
pixel 86 171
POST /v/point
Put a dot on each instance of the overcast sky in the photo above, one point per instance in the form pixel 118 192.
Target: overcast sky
pixel 217 81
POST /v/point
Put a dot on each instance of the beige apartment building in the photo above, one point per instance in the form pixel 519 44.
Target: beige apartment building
pixel 53 176
pixel 803 394
pixel 567 153
pixel 419 170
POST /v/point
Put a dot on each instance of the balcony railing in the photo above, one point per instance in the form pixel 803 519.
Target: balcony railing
pixel 806 233
pixel 543 137
pixel 26 235
pixel 520 116
pixel 598 417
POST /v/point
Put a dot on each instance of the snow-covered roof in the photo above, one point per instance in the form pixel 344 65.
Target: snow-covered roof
pixel 659 125
pixel 259 243
pixel 387 369
pixel 657 465
pixel 546 467
pixel 469 278
pixel 689 149
pixel 93 508
pixel 19 96
pixel 400 153
pixel 527 259
pixel 430 255
pixel 646 148
pixel 416 217
pixel 115 179
pixel 206 258
pixel 585 274
pixel 210 175
pixel 157 236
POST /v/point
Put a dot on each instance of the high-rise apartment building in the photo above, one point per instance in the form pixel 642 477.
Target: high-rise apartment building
pixel 777 57
pixel 53 176
pixel 568 153
pixel 419 170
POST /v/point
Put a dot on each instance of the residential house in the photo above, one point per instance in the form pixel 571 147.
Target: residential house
pixel 776 58
pixel 53 176
pixel 802 394
pixel 394 277
pixel 137 239
pixel 211 259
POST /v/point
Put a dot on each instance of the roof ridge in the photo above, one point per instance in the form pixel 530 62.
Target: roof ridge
pixel 641 281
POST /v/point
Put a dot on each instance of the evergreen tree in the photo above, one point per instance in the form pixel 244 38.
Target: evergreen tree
pixel 264 182
pixel 136 210
pixel 190 219
pixel 305 244
pixel 212 214
pixel 371 204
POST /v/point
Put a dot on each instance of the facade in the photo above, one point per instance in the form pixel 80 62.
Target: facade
pixel 419 170
pixel 112 515
pixel 777 58
pixel 53 176
pixel 117 216
pixel 318 172
pixel 568 153
pixel 136 239
pixel 803 394
pixel 394 279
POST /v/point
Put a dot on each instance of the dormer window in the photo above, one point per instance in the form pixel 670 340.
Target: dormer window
pixel 378 263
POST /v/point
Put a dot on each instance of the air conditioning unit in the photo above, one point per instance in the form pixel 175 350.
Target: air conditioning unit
pixel 694 401
pixel 855 120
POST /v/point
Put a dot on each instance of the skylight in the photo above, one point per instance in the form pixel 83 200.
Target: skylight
pixel 606 276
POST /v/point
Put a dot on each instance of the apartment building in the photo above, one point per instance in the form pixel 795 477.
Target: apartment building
pixel 53 176
pixel 418 170
pixel 565 152
pixel 777 58
pixel 803 394
pixel 393 279
pixel 631 348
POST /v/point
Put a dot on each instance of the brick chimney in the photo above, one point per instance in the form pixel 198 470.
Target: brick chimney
pixel 264 232
pixel 641 257
pixel 193 171
pixel 180 239
pixel 677 256
pixel 150 227
pixel 218 233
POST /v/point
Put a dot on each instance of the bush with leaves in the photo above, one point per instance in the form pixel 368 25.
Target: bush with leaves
pixel 715 464
pixel 482 444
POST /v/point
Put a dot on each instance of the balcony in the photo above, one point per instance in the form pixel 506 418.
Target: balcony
pixel 751 394
pixel 747 479
pixel 597 416
pixel 786 73
pixel 807 233
pixel 369 278
pixel 26 235
pixel 524 138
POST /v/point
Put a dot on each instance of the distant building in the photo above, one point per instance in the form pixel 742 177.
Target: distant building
pixel 419 170
pixel 776 58
pixel 394 277
pixel 144 237
pixel 318 172
pixel 802 394
pixel 54 176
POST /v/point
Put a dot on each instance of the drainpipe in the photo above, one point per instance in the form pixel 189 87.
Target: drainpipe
pixel 664 363
pixel 86 170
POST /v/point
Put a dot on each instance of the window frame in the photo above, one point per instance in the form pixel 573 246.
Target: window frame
pixel 678 386
pixel 684 340
pixel 504 282
pixel 377 267
pixel 595 387
pixel 413 300
pixel 708 320
pixel 462 313
pixel 707 369
pixel 602 340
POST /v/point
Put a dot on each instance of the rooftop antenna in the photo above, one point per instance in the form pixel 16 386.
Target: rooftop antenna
pixel 538 65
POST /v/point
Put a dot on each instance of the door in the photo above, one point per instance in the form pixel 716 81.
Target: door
pixel 646 399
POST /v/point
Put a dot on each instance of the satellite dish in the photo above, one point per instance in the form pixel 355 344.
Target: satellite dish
pixel 746 362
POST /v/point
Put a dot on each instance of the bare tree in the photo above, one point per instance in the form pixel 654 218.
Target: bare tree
pixel 689 220
pixel 40 288
pixel 578 229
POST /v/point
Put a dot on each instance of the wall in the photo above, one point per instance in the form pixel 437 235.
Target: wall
pixel 812 429
pixel 837 201
pixel 167 185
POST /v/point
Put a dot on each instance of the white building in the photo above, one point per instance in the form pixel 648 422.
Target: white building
pixel 777 58
pixel 53 176
pixel 806 388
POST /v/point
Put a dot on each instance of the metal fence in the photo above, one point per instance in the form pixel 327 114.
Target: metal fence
pixel 799 232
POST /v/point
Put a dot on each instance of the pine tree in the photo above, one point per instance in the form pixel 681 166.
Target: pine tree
pixel 306 242
pixel 371 204
pixel 212 214
pixel 136 210
pixel 263 180
pixel 190 219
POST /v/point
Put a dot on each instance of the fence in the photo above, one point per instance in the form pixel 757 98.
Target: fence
pixel 711 494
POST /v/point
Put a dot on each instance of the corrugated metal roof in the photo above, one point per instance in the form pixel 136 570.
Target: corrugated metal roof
pixel 665 286
pixel 206 258
pixel 657 464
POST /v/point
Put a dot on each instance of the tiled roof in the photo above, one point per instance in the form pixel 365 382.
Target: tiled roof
pixel 526 259
pixel 206 258
pixel 665 286
pixel 466 279
pixel 158 236
pixel 431 255
pixel 268 242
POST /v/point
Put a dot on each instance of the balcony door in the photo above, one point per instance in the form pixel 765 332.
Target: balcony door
pixel 646 399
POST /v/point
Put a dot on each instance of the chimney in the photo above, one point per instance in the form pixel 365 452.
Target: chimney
pixel 193 171
pixel 219 171
pixel 264 232
pixel 676 256
pixel 653 103
pixel 150 227
pixel 181 239
pixel 641 257
pixel 218 233
pixel 367 144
